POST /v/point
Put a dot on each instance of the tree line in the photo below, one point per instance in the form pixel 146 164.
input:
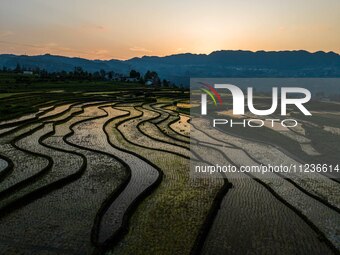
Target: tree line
pixel 79 74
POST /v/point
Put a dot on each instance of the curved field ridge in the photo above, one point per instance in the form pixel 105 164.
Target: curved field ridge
pixel 168 204
pixel 6 166
pixel 241 205
pixel 91 135
pixel 110 175
pixel 28 141
pixel 84 195
pixel 298 196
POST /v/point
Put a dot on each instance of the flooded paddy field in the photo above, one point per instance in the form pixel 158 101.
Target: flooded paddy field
pixel 110 174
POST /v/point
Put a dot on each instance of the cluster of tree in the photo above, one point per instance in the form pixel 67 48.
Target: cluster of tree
pixel 152 78
pixel 134 74
pixel 79 74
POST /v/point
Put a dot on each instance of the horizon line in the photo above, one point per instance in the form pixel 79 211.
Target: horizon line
pixel 163 56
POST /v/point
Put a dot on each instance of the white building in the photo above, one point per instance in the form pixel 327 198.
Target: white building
pixel 148 83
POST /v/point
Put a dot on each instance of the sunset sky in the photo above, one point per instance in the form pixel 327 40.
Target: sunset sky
pixel 122 29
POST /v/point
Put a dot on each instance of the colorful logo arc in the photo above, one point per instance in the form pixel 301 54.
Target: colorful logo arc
pixel 211 92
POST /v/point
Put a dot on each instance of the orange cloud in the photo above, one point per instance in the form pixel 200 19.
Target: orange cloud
pixel 139 49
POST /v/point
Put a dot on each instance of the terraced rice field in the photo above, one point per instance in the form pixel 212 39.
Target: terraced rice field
pixel 314 198
pixel 106 176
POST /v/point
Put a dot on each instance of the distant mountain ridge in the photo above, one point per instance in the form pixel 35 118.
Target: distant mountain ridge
pixel 54 63
pixel 181 67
